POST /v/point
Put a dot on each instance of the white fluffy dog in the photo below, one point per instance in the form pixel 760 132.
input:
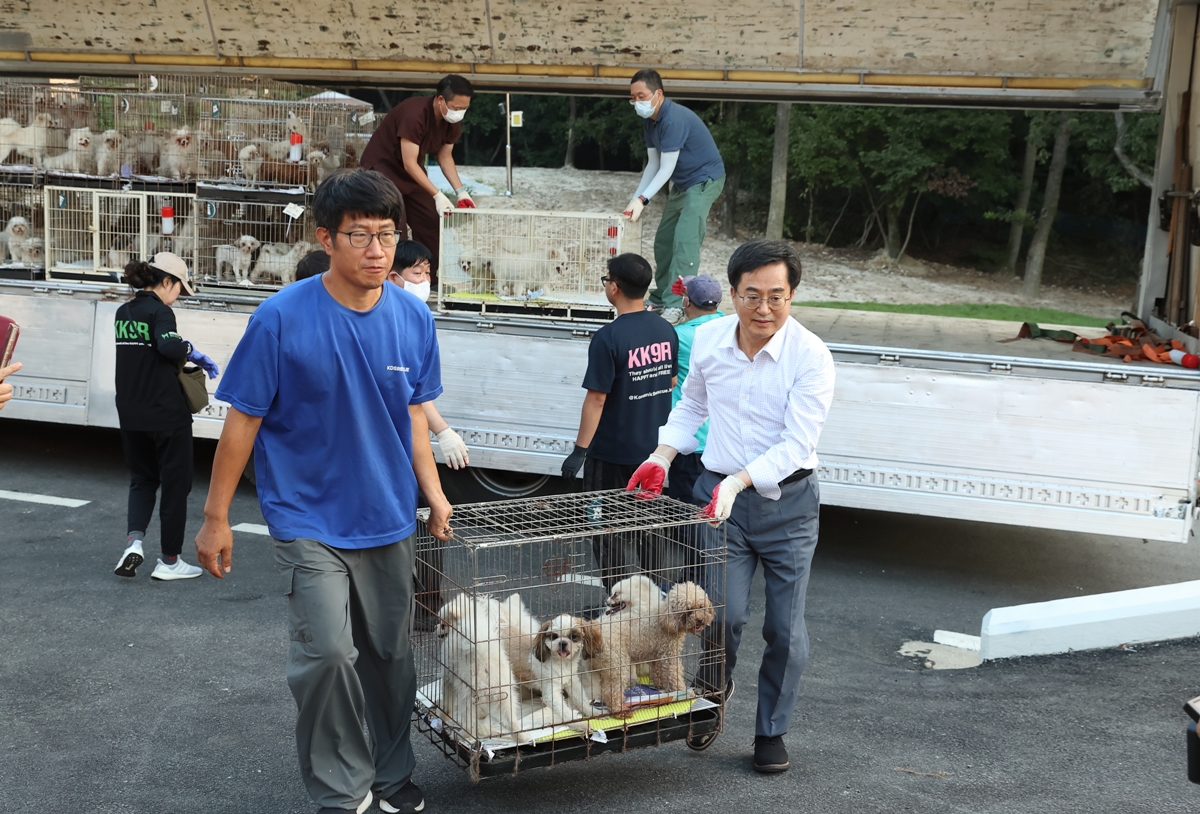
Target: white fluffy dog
pixel 238 258
pixel 180 157
pixel 18 234
pixel 30 141
pixel 479 692
pixel 520 267
pixel 279 260
pixel 108 153
pixel 78 157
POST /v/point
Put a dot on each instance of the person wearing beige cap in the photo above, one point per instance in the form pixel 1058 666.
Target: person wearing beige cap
pixel 156 422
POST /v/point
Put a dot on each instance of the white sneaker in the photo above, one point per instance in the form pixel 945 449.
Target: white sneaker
pixel 180 570
pixel 673 315
pixel 130 560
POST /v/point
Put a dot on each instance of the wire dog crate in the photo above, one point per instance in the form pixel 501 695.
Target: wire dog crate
pixel 553 629
pixel 248 142
pixel 252 238
pixel 22 225
pixel 92 233
pixel 544 263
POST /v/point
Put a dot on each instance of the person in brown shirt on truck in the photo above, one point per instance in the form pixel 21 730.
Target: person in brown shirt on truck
pixel 417 127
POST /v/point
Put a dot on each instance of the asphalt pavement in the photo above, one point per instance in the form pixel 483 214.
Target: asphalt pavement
pixel 121 695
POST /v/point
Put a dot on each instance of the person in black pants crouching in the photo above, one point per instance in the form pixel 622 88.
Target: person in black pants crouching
pixel 156 422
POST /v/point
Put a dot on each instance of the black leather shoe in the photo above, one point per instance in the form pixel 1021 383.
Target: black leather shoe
pixel 770 755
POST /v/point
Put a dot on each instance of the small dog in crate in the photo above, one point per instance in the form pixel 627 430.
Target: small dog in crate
pixel 30 141
pixel 238 258
pixel 146 153
pixel 562 649
pixel 645 628
pixel 108 153
pixel 250 161
pixel 519 632
pixel 279 260
pixel 17 235
pixel 521 268
pixel 35 252
pixel 278 150
pixel 479 692
pixel 78 157
pixel 179 158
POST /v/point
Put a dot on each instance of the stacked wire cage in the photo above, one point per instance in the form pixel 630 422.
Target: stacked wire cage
pixel 546 263
pixel 22 225
pixel 92 233
pixel 255 143
pixel 252 238
pixel 532 653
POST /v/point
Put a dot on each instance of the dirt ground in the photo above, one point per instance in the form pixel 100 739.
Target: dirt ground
pixel 829 274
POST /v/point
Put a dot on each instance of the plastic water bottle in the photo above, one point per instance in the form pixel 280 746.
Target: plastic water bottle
pixel 297 149
pixel 168 220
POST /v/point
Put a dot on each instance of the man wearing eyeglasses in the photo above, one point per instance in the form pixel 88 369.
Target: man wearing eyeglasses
pixel 679 149
pixel 632 364
pixel 417 127
pixel 327 386
pixel 765 382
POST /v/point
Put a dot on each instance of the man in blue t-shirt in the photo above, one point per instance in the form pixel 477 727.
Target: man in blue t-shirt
pixel 326 387
pixel 679 149
pixel 632 362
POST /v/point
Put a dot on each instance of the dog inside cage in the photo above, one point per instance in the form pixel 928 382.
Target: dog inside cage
pixel 548 620
pixel 252 242
pixel 22 225
pixel 529 256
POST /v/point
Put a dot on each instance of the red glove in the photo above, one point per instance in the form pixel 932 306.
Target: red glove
pixel 678 287
pixel 466 203
pixel 649 477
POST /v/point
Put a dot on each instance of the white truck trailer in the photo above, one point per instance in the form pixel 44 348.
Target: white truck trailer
pixel 931 416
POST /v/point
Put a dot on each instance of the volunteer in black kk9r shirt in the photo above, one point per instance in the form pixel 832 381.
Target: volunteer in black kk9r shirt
pixel 156 423
pixel 632 363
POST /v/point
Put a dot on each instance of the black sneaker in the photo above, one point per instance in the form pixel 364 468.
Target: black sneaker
pixel 408 799
pixel 770 755
pixel 698 743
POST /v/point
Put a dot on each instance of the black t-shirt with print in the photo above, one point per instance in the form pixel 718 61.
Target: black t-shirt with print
pixel 633 360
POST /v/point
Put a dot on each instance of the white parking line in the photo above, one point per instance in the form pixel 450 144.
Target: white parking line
pixel 253 528
pixel 51 500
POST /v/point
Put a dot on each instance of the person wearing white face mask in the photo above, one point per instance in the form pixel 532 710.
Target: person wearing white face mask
pixel 679 149
pixel 417 127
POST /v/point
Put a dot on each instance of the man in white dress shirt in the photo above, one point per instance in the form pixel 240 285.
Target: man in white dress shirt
pixel 766 384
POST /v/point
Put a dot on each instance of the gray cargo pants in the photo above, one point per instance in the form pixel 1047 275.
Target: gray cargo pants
pixel 350 662
pixel 782 535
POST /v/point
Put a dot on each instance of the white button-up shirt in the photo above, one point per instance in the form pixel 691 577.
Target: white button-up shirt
pixel 766 413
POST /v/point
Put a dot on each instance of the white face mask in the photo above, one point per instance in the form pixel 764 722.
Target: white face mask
pixel 645 109
pixel 421 290
pixel 454 116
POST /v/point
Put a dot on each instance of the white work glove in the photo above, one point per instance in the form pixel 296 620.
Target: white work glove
pixel 442 203
pixel 721 505
pixel 465 201
pixel 453 447
pixel 634 210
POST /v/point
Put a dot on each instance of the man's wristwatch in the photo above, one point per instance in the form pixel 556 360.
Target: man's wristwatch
pixel 645 201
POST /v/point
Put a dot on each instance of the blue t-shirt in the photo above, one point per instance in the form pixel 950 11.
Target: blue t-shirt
pixel 679 129
pixel 687 333
pixel 333 457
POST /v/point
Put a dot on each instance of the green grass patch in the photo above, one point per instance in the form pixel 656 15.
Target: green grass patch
pixel 1006 313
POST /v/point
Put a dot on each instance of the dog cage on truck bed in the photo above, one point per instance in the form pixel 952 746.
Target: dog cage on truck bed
pixel 533 264
pixel 531 653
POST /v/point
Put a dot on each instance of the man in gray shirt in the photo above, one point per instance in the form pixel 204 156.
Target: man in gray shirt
pixel 679 149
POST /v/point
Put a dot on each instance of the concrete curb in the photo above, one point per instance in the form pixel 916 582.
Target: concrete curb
pixel 1092 622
